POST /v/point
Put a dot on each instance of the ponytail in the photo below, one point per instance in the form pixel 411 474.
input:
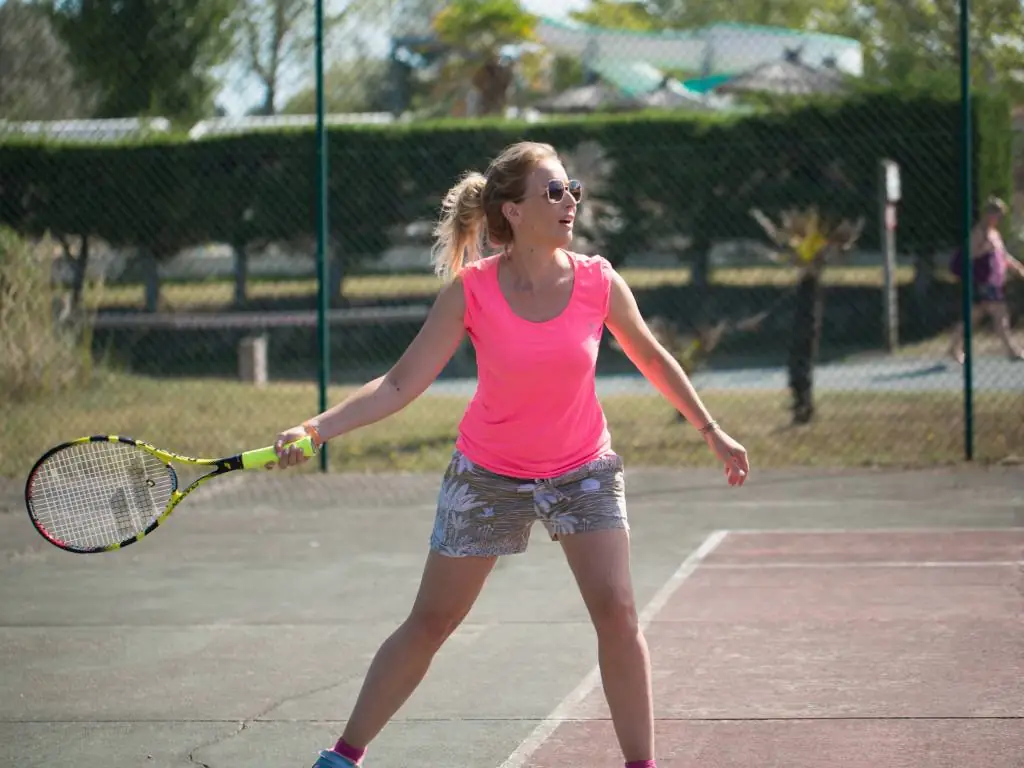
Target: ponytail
pixel 458 232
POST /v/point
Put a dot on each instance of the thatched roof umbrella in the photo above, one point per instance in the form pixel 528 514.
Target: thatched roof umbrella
pixel 588 98
pixel 789 76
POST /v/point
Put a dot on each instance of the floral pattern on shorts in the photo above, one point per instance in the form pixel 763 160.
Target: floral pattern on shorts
pixel 480 513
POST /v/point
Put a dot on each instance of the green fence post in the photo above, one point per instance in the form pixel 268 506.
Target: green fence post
pixel 967 281
pixel 322 273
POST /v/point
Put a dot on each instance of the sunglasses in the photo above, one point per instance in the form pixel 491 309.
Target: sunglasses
pixel 557 188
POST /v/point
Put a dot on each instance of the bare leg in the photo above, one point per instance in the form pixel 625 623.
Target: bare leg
pixel 449 587
pixel 600 562
pixel 956 340
pixel 1001 320
pixel 956 343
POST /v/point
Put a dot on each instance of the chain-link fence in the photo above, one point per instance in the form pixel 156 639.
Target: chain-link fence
pixel 159 276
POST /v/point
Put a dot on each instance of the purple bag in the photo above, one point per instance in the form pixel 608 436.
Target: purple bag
pixel 982 266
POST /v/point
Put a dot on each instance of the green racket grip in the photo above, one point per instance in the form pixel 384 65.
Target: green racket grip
pixel 261 457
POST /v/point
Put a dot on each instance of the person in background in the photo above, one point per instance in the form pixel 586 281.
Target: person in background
pixel 990 262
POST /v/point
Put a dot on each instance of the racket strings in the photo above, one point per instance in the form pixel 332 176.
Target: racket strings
pixel 98 494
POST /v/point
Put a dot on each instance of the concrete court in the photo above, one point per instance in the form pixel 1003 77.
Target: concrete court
pixel 237 635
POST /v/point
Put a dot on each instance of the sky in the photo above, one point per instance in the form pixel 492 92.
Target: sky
pixel 236 97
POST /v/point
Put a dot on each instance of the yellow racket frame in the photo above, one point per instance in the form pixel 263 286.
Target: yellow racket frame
pixel 259 458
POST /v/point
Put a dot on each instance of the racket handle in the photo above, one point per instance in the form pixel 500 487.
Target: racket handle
pixel 259 458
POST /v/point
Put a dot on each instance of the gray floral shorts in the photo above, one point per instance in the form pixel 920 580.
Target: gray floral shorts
pixel 482 514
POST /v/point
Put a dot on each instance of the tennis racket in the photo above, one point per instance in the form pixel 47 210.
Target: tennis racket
pixel 101 493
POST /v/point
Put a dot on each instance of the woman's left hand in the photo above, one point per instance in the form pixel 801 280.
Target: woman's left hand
pixel 731 454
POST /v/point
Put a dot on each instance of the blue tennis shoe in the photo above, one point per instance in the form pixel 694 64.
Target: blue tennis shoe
pixel 331 759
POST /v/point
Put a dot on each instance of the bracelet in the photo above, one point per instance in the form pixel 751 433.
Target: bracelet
pixel 312 431
pixel 709 427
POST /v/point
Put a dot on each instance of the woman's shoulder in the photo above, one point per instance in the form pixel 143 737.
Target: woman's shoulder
pixel 593 263
pixel 471 273
pixel 594 278
pixel 481 265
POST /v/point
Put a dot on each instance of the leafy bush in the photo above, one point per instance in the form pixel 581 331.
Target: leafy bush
pixel 39 353
pixel 670 174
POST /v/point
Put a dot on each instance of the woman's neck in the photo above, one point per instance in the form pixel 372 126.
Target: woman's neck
pixel 530 266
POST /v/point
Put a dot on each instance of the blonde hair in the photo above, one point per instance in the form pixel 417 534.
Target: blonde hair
pixel 995 205
pixel 476 200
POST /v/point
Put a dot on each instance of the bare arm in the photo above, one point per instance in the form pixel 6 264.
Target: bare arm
pixel 1014 263
pixel 663 371
pixel 415 370
pixel 652 360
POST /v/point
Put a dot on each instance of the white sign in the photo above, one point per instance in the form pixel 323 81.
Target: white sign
pixel 892 181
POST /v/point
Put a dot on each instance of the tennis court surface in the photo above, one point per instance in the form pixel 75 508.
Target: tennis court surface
pixel 808 619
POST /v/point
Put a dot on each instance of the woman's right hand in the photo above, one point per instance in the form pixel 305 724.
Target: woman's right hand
pixel 290 455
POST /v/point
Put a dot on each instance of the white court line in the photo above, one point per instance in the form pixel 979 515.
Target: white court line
pixel 865 564
pixel 588 684
pixel 871 531
pixel 813 503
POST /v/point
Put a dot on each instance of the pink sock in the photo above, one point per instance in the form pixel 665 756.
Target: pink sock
pixel 349 752
pixel 641 764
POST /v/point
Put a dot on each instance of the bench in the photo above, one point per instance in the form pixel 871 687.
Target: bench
pixel 252 349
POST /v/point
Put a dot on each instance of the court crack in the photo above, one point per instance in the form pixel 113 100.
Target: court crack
pixel 246 724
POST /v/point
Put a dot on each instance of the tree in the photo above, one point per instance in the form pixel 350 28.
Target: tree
pixel 38 81
pixel 350 85
pixel 807 241
pixel 276 40
pixel 919 41
pixel 688 14
pixel 412 18
pixel 272 32
pixel 275 36
pixel 476 31
pixel 632 15
pixel 146 57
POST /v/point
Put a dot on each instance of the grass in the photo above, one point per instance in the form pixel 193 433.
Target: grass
pixel 220 292
pixel 205 417
pixel 985 343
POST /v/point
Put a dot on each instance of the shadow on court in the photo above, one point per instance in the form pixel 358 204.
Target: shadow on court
pixel 874 620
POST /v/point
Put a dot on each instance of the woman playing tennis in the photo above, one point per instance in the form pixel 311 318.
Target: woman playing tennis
pixel 533 443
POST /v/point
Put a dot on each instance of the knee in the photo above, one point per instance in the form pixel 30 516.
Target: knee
pixel 615 616
pixel 431 628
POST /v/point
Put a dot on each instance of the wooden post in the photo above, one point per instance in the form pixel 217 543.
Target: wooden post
pixel 252 360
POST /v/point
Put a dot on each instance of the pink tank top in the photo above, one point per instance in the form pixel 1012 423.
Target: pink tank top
pixel 998 276
pixel 535 413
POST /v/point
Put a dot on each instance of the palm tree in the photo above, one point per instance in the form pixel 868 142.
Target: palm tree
pixel 808 242
pixel 476 32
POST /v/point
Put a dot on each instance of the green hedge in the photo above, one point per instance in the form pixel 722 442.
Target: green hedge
pixel 671 174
